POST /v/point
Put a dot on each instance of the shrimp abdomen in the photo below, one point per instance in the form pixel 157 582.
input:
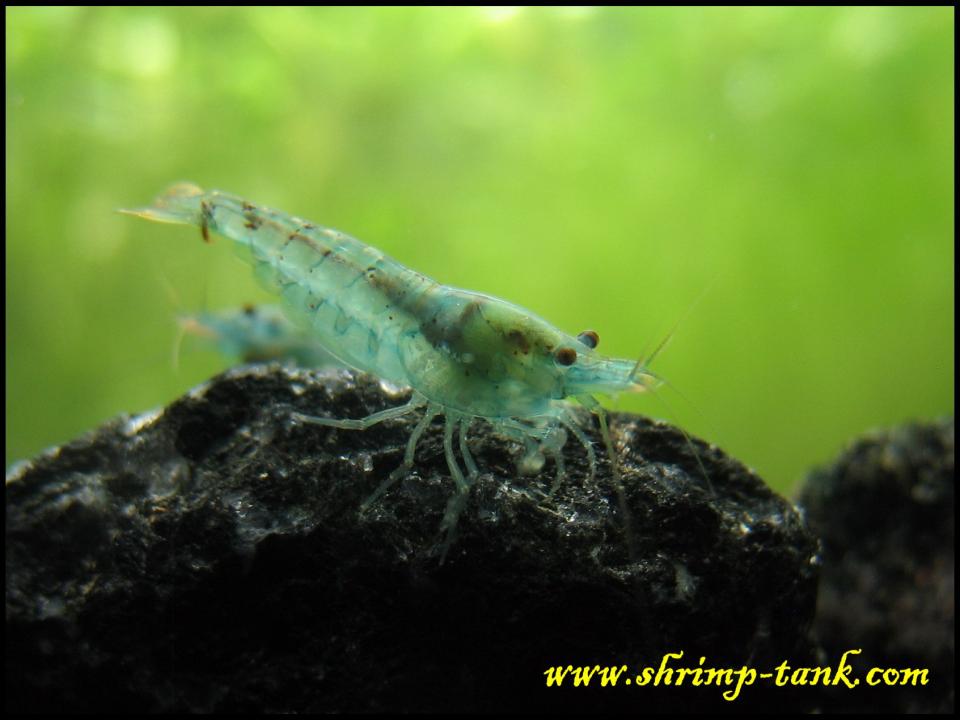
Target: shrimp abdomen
pixel 354 299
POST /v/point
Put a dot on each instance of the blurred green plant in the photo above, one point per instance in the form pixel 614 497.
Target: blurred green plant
pixel 598 166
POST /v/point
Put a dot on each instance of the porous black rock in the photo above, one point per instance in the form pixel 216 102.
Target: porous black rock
pixel 884 511
pixel 211 557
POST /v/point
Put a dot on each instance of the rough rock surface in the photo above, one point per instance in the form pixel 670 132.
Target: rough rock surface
pixel 885 514
pixel 211 557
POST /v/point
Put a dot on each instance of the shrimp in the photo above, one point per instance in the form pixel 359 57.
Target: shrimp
pixel 257 333
pixel 261 333
pixel 465 355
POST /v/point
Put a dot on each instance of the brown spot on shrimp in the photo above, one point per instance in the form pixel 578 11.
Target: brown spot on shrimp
pixel 312 244
pixel 448 334
pixel 519 340
pixel 253 221
pixel 206 213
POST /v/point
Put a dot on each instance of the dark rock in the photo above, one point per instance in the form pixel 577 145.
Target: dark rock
pixel 211 557
pixel 885 515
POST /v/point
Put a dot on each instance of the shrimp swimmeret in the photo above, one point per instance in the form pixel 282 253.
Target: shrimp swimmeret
pixel 464 354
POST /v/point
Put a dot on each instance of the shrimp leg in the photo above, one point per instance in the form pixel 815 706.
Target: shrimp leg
pixel 451 423
pixel 585 441
pixel 364 422
pixel 457 502
pixel 472 470
pixel 432 411
pixel 557 456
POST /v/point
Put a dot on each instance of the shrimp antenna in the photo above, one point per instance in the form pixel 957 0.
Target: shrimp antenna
pixel 174 298
pixel 618 484
pixel 645 362
pixel 686 435
pixel 177 344
pixel 597 409
pixel 205 295
pixel 185 321
pixel 172 295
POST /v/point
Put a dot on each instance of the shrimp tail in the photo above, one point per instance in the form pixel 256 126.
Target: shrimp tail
pixel 181 204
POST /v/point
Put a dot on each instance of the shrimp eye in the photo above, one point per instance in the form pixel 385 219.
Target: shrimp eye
pixel 589 338
pixel 566 356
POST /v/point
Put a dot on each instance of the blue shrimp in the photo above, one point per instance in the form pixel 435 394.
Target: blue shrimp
pixel 257 333
pixel 465 355
pixel 262 333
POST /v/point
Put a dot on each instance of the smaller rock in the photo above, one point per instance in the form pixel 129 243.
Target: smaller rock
pixel 885 515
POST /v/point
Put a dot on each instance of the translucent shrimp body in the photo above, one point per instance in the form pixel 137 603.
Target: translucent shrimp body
pixel 464 354
pixel 257 333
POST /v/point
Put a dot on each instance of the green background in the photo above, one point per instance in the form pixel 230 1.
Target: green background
pixel 792 168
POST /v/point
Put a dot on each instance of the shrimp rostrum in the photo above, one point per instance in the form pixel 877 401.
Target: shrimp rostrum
pixel 464 354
